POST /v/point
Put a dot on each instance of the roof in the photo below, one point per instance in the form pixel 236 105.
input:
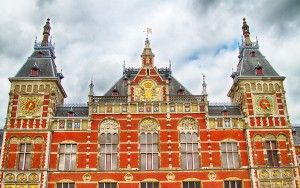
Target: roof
pixel 42 58
pixel 1 137
pixel 218 109
pixel 129 73
pixel 79 110
pixel 250 58
pixel 296 135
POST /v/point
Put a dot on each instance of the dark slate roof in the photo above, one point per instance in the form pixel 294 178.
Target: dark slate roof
pixel 217 109
pixel 1 137
pixel 247 63
pixel 296 134
pixel 43 59
pixel 130 73
pixel 80 111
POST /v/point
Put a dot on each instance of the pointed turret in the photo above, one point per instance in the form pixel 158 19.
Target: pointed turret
pixel 147 55
pixel 246 33
pixel 46 33
pixel 91 86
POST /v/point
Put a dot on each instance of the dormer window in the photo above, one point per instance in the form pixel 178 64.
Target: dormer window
pixel 34 71
pixel 180 92
pixel 259 70
pixel 71 113
pixel 115 92
pixel 252 54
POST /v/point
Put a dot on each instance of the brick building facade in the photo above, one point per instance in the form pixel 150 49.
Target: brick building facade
pixel 148 130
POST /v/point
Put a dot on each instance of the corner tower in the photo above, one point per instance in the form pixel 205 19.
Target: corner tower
pixel 35 92
pixel 259 90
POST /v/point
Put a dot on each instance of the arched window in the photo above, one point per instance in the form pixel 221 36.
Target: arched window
pixel 149 144
pixel 109 141
pixel 188 130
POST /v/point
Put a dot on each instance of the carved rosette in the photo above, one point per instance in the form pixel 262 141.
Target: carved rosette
pixel 188 124
pixel 170 176
pixel 212 176
pixel 128 177
pixel 149 125
pixel 109 126
pixel 87 177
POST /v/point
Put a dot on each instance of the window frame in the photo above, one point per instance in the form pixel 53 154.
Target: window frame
pixel 68 183
pixel 193 182
pixel 154 183
pixel 109 184
pixel 25 153
pixel 271 151
pixel 70 154
pixel 152 153
pixel 114 155
pixel 230 162
pixel 235 183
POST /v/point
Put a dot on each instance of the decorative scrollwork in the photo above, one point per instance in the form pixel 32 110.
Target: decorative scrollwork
pixel 287 174
pixel 212 176
pixel 33 177
pixel 22 177
pixel 188 124
pixel 170 176
pixel 264 174
pixel 109 126
pixel 149 125
pixel 128 177
pixel 276 173
pixel 87 177
pixel 9 177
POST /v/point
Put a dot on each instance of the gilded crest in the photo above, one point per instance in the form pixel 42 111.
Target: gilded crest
pixel 149 125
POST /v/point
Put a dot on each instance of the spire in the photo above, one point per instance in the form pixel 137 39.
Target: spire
pixel 147 55
pixel 246 33
pixel 91 88
pixel 204 92
pixel 46 33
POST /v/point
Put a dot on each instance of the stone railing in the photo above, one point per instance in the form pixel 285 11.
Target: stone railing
pixel 109 99
pixel 187 98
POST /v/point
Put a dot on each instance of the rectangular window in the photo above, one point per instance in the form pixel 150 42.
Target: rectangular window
pixel 227 123
pixel 230 155
pixel 109 151
pixel 77 125
pixel 191 184
pixel 108 185
pixel 24 156
pixel 67 157
pixel 272 153
pixel 219 122
pixel 233 184
pixel 149 151
pixel 65 185
pixel 189 150
pixel 149 185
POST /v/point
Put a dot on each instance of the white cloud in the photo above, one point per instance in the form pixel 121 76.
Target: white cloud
pixel 94 37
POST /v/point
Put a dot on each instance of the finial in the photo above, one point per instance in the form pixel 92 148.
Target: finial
pixel 147 43
pixel 246 33
pixel 148 31
pixel 46 33
pixel 91 87
pixel 170 64
pixel 204 92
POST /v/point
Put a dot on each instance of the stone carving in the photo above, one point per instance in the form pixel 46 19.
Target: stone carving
pixel 287 173
pixel 33 177
pixel 109 126
pixel 264 174
pixel 148 91
pixel 170 176
pixel 212 176
pixel 276 173
pixel 257 138
pixel 281 137
pixel 149 125
pixel 21 177
pixel 188 124
pixel 9 177
pixel 87 177
pixel 128 177
pixel 14 140
pixel 38 140
pixel 26 139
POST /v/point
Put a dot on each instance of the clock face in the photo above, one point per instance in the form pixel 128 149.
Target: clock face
pixel 264 104
pixel 30 106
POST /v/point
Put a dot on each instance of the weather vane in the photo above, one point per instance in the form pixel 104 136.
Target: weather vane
pixel 148 31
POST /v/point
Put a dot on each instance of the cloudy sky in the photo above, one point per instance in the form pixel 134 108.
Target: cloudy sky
pixel 93 38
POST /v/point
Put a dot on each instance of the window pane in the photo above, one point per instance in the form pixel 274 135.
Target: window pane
pixel 102 162
pixel 149 138
pixel 68 148
pixel 27 161
pixel 223 147
pixel 21 161
pixel 155 162
pixel 182 137
pixel 189 147
pixel 143 185
pixel 115 148
pixel 102 138
pixel 143 161
pixel 155 138
pixel 196 161
pixel 74 148
pixel 194 138
pixel 67 162
pixel 224 160
pixel 28 147
pixel 62 148
pixel 22 147
pixel 114 162
pixel 115 139
pixel 183 148
pixel 143 148
pixel 183 161
pixel 73 162
pixel 65 185
pixel 143 138
pixel 59 185
pixel 188 137
pixel 61 162
pixel 149 161
pixel 108 138
pixel 71 185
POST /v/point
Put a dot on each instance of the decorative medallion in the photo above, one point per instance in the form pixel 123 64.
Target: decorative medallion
pixel 38 140
pixel 264 104
pixel 188 124
pixel 287 173
pixel 21 177
pixel 128 177
pixel 9 177
pixel 30 105
pixel 170 176
pixel 33 177
pixel 212 176
pixel 276 173
pixel 149 125
pixel 109 126
pixel 148 90
pixel 14 140
pixel 264 174
pixel 87 177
